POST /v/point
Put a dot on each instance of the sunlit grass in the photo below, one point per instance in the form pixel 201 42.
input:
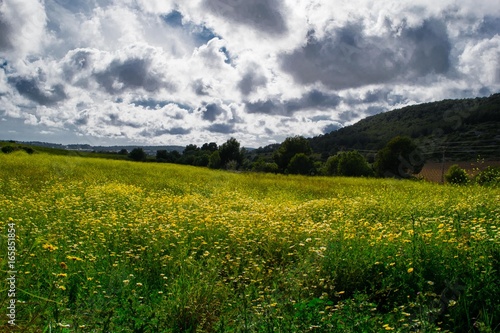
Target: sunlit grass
pixel 131 247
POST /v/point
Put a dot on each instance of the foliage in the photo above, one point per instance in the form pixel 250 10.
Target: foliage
pixel 300 164
pixel 137 154
pixel 211 147
pixel 116 246
pixel 7 149
pixel 262 166
pixel 489 176
pixel 349 164
pixel 214 162
pixel 399 158
pixel 456 175
pixel 289 148
pixel 431 125
pixel 230 151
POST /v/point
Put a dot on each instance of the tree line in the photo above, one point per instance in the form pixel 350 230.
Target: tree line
pixel 400 158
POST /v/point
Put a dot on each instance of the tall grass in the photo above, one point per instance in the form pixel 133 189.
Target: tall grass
pixel 115 246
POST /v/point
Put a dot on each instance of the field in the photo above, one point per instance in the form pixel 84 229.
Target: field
pixel 116 246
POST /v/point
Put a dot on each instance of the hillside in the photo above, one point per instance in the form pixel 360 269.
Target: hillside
pixel 462 128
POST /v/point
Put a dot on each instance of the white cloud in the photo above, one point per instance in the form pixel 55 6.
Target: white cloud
pixel 480 62
pixel 23 28
pixel 176 72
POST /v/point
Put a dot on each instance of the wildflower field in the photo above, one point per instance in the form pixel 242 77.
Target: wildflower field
pixel 116 246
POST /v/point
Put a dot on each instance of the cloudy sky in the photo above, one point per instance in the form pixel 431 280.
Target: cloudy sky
pixel 179 72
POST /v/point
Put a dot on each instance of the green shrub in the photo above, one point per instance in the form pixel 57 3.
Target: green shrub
pixel 29 150
pixel 489 176
pixel 456 175
pixel 7 149
pixel 138 154
pixel 300 164
pixel 214 161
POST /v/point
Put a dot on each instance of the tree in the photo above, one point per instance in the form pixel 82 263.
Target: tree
pixel 123 152
pixel 332 165
pixel 212 146
pixel 7 149
pixel 348 163
pixel 399 158
pixel 456 175
pixel 162 155
pixel 262 166
pixel 230 151
pixel 214 161
pixel 138 154
pixel 289 148
pixel 300 164
pixel 190 149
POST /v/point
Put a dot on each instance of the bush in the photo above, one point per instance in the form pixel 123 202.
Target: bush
pixel 138 154
pixel 332 165
pixel 400 158
pixel 489 176
pixel 262 166
pixel 290 148
pixel 456 175
pixel 29 150
pixel 214 161
pixel 7 149
pixel 300 164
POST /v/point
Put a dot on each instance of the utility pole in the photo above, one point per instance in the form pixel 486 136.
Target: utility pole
pixel 442 166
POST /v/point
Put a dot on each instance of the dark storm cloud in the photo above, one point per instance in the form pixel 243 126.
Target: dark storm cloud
pixel 221 128
pixel 489 26
pixel 30 89
pixel 114 120
pixel 251 81
pixel 211 111
pixel 349 58
pixel 81 7
pixel 331 127
pixel 313 100
pixel 171 131
pixel 153 104
pixel 266 107
pixel 375 96
pixel 431 48
pixel 347 116
pixel 130 74
pixel 200 88
pixel 263 15
pixel 5 30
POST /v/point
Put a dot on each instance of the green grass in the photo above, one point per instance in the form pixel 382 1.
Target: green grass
pixel 117 246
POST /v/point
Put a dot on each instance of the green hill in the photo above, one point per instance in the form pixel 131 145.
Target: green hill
pixel 464 129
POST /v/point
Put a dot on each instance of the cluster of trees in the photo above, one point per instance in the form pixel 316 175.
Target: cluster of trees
pixel 229 155
pixel 9 149
pixel 400 158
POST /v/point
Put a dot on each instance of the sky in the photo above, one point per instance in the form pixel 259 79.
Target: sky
pixel 166 72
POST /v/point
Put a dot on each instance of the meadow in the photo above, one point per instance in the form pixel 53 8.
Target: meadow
pixel 117 246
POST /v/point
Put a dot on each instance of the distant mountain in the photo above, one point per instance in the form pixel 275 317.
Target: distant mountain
pixel 462 129
pixel 151 150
